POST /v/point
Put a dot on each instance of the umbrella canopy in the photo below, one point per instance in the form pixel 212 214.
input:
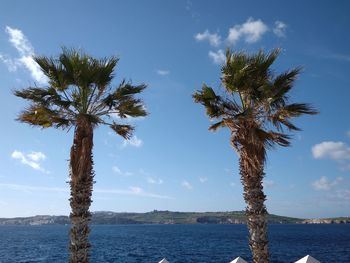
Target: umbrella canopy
pixel 238 260
pixel 307 259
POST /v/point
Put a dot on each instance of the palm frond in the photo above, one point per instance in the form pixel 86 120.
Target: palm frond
pixel 38 115
pixel 281 85
pixel 217 125
pixel 45 96
pixel 283 115
pixel 125 131
pixel 270 138
pixel 256 98
pixel 212 103
pixel 123 103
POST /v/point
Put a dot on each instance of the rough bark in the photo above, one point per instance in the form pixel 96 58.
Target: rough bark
pixel 81 183
pixel 251 177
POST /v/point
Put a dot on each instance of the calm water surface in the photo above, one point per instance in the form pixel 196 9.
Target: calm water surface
pixel 178 243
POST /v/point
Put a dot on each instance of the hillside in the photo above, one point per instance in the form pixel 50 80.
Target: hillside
pixel 154 217
pixel 166 217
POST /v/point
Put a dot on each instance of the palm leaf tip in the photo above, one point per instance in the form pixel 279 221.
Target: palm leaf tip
pixel 216 126
pixel 125 131
pixel 204 95
pixel 37 115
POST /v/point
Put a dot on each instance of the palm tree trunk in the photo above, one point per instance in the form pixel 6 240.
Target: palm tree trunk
pixel 81 173
pixel 251 172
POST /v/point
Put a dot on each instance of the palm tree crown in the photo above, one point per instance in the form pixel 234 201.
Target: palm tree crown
pixel 256 109
pixel 79 95
pixel 255 99
pixel 79 85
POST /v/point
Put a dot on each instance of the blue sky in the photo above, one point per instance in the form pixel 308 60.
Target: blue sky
pixel 173 162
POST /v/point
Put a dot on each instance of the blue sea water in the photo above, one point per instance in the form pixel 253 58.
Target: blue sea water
pixel 178 243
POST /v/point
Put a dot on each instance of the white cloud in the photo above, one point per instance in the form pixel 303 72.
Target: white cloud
pixel 344 167
pixel 251 31
pixel 116 170
pixel 19 41
pixel 203 179
pixel 29 188
pixel 128 119
pixel 233 184
pixel 10 63
pixel 26 52
pixel 348 133
pixel 133 141
pixel 162 72
pixel 133 190
pixel 32 159
pixel 214 39
pixel 188 5
pixel 37 156
pixel 280 29
pixel 217 57
pixel 324 184
pixel 337 56
pixel 331 150
pixel 268 183
pixel 152 180
pixel 136 189
pixel 34 68
pixel 342 194
pixel 119 172
pixel 186 184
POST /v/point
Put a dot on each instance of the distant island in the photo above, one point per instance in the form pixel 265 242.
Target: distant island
pixel 167 217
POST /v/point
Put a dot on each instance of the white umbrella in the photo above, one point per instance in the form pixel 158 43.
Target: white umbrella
pixel 238 260
pixel 307 259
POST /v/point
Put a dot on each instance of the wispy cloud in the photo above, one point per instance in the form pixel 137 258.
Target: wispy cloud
pixel 37 156
pixel 337 151
pixel 324 184
pixel 339 57
pixel 342 194
pixel 10 63
pixel 32 159
pixel 251 31
pixel 26 52
pixel 217 57
pixel 152 180
pixel 331 150
pixel 186 185
pixel 203 179
pixel 120 172
pixel 133 141
pixel 162 72
pixel 189 8
pixel 32 188
pixel 268 183
pixel 132 190
pixel 213 39
pixel 280 29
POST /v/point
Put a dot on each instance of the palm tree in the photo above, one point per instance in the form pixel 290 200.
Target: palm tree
pixel 79 95
pixel 255 108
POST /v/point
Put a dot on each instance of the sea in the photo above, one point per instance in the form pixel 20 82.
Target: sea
pixel 176 243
